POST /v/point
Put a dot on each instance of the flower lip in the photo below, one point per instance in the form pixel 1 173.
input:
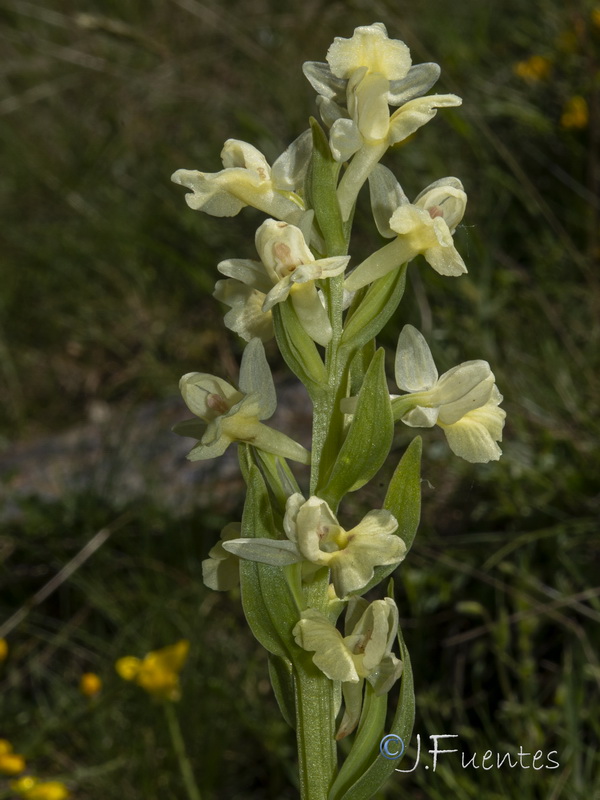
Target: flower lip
pixel 369 47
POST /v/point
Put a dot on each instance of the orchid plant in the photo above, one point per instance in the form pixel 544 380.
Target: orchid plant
pixel 300 564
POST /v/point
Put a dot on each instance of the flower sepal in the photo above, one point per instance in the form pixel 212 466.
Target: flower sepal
pixel 268 597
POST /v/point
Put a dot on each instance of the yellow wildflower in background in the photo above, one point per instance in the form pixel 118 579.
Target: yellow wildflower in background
pixel 10 763
pixel 3 649
pixel 90 684
pixel 32 789
pixel 575 113
pixel 533 69
pixel 596 17
pixel 158 672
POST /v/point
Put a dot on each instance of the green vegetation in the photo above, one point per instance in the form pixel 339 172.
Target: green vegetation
pixel 105 282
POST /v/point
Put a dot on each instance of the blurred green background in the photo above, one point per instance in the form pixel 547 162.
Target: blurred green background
pixel 105 282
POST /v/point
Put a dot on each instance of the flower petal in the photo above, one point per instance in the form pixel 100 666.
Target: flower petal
pixel 311 312
pixel 470 438
pixel 386 196
pixel 421 417
pixel 323 81
pixel 352 568
pixel 377 521
pixel 345 139
pixel 385 674
pixel 420 79
pixel 416 113
pixel 459 383
pixel 415 369
pixel 250 273
pixel 314 519
pixel 207 194
pixel 475 435
pixel 315 632
pixel 198 387
pixel 293 505
pixel 331 111
pixel 238 154
pixel 246 317
pixel 446 197
pixel 220 571
pixel 323 268
pixel 370 107
pixel 256 378
pixel 445 261
pixel 289 170
pixel 353 697
pixel 214 449
pixel 369 47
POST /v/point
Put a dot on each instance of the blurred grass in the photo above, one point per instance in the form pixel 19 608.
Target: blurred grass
pixel 105 280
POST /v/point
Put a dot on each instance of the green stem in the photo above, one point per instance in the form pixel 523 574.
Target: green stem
pixel 327 418
pixel 315 729
pixel 179 748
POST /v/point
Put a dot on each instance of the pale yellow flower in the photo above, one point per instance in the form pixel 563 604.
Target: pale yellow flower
pixel 315 536
pixel 3 649
pixel 464 401
pixel 364 653
pixel 221 571
pixel 424 227
pixel 287 268
pixel 248 180
pixel 227 414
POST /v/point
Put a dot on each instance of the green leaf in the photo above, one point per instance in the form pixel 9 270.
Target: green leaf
pixel 359 366
pixel 282 680
pixel 366 743
pixel 266 597
pixel 278 476
pixel 369 436
pixel 374 310
pixel 403 498
pixel 381 768
pixel 298 349
pixel 321 189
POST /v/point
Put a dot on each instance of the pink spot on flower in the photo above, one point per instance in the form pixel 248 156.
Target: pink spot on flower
pixel 217 403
